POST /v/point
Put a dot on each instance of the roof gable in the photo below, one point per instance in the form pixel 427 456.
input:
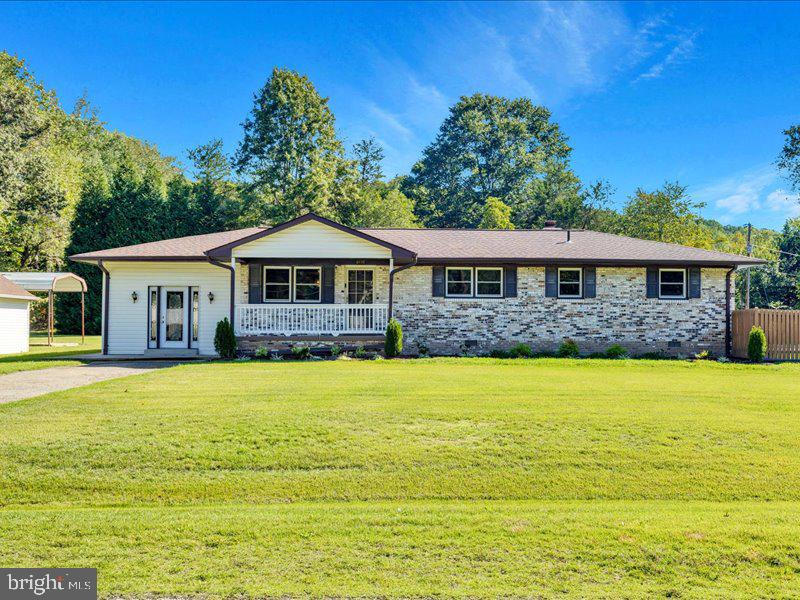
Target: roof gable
pixel 317 248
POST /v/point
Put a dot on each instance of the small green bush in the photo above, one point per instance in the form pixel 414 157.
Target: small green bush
pixel 568 349
pixel 422 349
pixel 704 355
pixel 520 351
pixel 616 351
pixel 225 340
pixel 336 350
pixel 393 345
pixel 262 352
pixel 757 345
pixel 652 356
pixel 301 351
pixel 360 352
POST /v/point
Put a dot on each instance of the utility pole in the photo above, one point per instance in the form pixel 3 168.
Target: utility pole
pixel 749 249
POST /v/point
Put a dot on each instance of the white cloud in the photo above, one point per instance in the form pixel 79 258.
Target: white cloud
pixel 782 201
pixel 681 51
pixel 392 121
pixel 748 192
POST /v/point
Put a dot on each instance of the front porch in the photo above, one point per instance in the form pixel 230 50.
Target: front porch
pixel 310 320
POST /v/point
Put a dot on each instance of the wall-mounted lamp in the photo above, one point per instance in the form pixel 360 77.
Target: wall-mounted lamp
pixel 134 297
pixel 210 296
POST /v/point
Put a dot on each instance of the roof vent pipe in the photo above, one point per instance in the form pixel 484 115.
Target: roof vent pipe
pixel 569 236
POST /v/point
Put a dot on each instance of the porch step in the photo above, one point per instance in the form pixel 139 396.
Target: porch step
pixel 170 352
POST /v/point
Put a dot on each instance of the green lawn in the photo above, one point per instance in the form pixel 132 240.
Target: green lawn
pixel 441 477
pixel 42 356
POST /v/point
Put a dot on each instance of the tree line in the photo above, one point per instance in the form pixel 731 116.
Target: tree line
pixel 68 184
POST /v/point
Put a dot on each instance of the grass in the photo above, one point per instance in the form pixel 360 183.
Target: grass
pixel 42 356
pixel 445 477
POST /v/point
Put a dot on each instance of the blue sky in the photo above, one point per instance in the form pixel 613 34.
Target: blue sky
pixel 646 92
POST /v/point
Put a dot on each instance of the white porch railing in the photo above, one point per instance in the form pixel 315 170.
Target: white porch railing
pixel 310 319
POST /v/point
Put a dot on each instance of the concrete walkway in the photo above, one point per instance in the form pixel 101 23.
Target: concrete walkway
pixel 27 384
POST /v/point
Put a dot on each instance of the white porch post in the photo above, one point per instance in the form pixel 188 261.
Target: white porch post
pixel 233 294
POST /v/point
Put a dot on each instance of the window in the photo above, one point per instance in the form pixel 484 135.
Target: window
pixel 570 282
pixel 308 284
pixel 277 284
pixel 359 286
pixel 153 315
pixel 459 281
pixel 489 282
pixel 672 283
pixel 195 314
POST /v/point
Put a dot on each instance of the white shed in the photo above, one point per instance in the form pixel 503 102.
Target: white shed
pixel 14 317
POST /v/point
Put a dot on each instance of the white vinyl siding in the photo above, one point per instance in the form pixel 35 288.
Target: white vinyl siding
pixel 311 240
pixel 128 327
pixel 14 326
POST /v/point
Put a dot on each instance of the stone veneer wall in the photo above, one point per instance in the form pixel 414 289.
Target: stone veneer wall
pixel 620 314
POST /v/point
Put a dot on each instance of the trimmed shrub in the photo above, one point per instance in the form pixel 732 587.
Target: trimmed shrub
pixel 393 345
pixel 616 351
pixel 757 345
pixel 336 350
pixel 568 349
pixel 360 352
pixel 262 352
pixel 224 339
pixel 520 351
pixel 301 351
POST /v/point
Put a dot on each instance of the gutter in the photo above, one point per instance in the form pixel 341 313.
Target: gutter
pixel 413 263
pixel 106 315
pixel 230 268
pixel 728 338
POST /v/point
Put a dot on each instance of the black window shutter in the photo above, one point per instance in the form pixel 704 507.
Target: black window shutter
pixel 254 294
pixel 510 283
pixel 551 282
pixel 437 282
pixel 694 282
pixel 328 283
pixel 589 282
pixel 652 282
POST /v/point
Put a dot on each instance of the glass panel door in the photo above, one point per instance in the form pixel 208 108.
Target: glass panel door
pixel 173 318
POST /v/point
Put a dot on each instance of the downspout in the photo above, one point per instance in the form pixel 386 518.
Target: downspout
pixel 391 282
pixel 217 263
pixel 107 280
pixel 728 349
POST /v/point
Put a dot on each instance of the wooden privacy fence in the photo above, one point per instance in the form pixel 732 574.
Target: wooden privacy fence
pixel 782 328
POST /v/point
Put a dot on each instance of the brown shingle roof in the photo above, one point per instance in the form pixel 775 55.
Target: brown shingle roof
pixel 452 245
pixel 548 246
pixel 12 290
pixel 192 247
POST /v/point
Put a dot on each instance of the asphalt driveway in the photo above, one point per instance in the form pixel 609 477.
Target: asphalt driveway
pixel 27 384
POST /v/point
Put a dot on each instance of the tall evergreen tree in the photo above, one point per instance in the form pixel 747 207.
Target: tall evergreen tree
pixel 368 156
pixel 290 155
pixel 214 198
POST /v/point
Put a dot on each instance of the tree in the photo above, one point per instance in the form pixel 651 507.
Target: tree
pixel 33 193
pixel 214 202
pixel 290 154
pixel 492 147
pixel 664 215
pixel 377 205
pixel 789 158
pixel 496 215
pixel 368 156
